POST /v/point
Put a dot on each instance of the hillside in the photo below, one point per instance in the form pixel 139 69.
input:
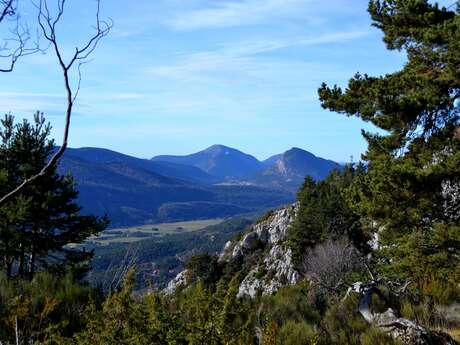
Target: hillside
pixel 217 182
pixel 132 191
pixel 170 169
pixel 262 251
pixel 164 255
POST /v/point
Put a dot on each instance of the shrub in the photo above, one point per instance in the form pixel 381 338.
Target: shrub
pixel 297 333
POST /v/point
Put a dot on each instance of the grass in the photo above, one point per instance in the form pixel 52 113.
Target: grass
pixel 455 333
pixel 452 315
pixel 138 233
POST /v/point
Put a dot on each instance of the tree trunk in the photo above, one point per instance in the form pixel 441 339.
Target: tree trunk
pixel 32 262
pixel 8 264
pixel 21 262
pixel 16 331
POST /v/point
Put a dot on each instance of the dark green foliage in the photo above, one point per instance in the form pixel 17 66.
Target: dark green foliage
pixel 46 305
pixel 37 226
pixel 297 333
pixel 289 316
pixel 196 316
pixel 120 321
pixel 324 213
pixel 342 324
pixel 411 189
pixel 205 268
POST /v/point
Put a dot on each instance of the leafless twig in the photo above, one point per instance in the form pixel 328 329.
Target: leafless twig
pixel 48 25
pixel 329 264
pixel 19 43
pixel 119 270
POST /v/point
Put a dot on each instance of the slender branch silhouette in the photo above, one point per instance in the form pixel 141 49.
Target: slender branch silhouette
pixel 48 25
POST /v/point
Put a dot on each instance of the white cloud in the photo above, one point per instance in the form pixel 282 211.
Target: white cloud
pixel 243 59
pixel 124 96
pixel 30 95
pixel 29 102
pixel 234 13
pixel 265 46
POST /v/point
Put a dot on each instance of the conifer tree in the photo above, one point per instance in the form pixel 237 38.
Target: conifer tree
pixel 324 214
pixel 37 227
pixel 413 175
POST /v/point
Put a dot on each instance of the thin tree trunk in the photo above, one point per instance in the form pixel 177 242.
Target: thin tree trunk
pixel 21 262
pixel 16 330
pixel 9 265
pixel 32 262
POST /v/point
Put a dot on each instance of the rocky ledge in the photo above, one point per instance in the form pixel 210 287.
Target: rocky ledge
pixel 274 268
pixel 264 245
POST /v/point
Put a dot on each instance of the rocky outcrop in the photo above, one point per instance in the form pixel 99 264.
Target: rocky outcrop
pixel 274 268
pixel 402 329
pixel 264 246
pixel 178 282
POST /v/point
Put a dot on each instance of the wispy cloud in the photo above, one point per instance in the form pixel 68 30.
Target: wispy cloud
pixel 234 13
pixel 121 96
pixel 25 103
pixel 264 46
pixel 30 95
pixel 242 59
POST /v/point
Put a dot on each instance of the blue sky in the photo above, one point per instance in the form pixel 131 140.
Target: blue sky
pixel 176 76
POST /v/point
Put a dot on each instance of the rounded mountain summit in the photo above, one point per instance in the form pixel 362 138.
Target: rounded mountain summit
pixel 218 160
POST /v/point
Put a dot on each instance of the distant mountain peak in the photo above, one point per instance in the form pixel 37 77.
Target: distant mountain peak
pixel 223 150
pixel 289 169
pixel 297 150
pixel 218 160
pixel 218 147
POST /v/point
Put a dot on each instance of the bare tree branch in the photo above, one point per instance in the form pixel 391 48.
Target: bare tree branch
pixel 328 265
pixel 48 26
pixel 116 272
pixel 7 8
pixel 19 44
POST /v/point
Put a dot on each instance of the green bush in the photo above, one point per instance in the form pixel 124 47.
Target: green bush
pixel 290 304
pixel 47 303
pixel 343 324
pixel 297 333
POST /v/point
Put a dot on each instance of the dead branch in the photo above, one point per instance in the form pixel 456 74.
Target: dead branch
pixel 328 265
pixel 19 44
pixel 7 8
pixel 48 25
pixel 116 272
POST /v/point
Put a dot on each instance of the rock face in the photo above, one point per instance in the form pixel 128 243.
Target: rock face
pixel 274 268
pixel 404 330
pixel 179 281
pixel 263 252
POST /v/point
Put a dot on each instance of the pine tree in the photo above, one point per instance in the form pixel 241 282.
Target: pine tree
pixel 324 213
pixel 413 175
pixel 37 227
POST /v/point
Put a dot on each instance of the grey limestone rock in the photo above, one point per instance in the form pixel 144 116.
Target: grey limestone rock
pixel 179 281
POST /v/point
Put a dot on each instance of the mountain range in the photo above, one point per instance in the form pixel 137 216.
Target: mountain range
pixel 217 182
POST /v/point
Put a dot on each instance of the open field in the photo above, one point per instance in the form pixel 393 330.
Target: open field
pixel 138 233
